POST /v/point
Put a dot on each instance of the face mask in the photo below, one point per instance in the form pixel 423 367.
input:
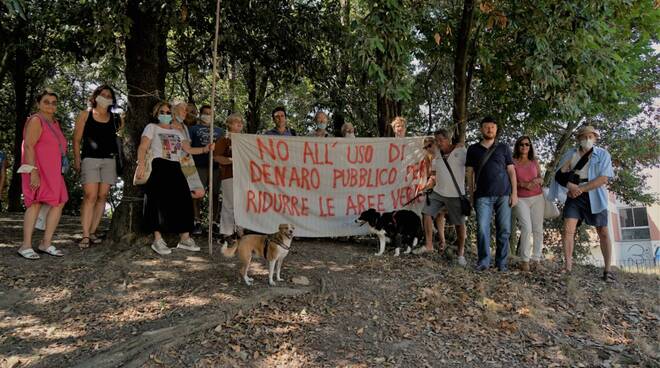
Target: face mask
pixel 206 118
pixel 322 126
pixel 164 118
pixel 587 144
pixel 102 102
pixel 350 135
pixel 179 119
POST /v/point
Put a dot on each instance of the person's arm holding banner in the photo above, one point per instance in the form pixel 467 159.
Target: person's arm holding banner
pixel 430 183
pixel 197 150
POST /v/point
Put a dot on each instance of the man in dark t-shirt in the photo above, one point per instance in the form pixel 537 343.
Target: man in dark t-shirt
pixel 279 118
pixel 492 186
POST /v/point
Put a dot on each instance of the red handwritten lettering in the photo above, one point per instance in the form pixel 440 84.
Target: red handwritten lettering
pixel 362 154
pixel 363 177
pixel 329 207
pixel 396 152
pixel 275 151
pixel 316 155
pixel 359 203
pixel 260 202
pixel 283 176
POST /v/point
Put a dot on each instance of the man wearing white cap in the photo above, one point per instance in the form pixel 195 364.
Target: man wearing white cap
pixel 581 180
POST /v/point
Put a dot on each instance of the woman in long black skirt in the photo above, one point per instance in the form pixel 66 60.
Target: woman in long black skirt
pixel 168 205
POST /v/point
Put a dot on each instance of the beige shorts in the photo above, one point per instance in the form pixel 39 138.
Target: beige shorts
pixel 98 170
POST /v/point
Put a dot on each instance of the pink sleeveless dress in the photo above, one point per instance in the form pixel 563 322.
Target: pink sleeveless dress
pixel 48 159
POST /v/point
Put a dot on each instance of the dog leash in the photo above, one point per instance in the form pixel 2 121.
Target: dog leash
pixel 419 195
pixel 277 243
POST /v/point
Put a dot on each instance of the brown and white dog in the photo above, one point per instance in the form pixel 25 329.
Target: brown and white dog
pixel 273 247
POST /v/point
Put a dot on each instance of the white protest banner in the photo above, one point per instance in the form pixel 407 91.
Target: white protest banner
pixel 321 185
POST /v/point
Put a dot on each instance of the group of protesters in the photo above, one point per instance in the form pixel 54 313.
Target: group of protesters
pixel 173 164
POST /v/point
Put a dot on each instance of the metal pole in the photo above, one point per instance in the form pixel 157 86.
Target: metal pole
pixel 212 128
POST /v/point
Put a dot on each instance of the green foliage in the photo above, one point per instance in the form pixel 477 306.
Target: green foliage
pixel 541 67
pixel 385 38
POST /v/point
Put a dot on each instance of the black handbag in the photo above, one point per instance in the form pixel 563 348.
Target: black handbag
pixel 119 156
pixel 466 207
pixel 571 176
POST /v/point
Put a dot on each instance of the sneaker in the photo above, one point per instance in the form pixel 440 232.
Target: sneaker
pixel 461 261
pixel 159 246
pixel 422 250
pixel 188 244
pixel 481 267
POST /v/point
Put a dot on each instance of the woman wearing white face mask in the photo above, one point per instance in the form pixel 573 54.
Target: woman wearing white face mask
pixel 168 203
pixel 96 128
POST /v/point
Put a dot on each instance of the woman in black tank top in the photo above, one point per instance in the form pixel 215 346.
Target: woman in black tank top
pixel 96 128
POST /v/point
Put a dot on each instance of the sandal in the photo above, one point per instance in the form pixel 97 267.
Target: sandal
pixel 608 276
pixel 84 244
pixel 51 250
pixel 28 254
pixel 95 239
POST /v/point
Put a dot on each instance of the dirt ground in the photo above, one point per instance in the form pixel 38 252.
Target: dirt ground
pixel 123 305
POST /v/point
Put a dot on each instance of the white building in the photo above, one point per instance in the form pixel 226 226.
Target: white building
pixel 634 230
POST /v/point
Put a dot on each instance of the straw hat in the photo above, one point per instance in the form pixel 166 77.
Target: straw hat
pixel 586 130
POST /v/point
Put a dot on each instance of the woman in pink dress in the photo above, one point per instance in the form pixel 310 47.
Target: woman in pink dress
pixel 531 203
pixel 44 146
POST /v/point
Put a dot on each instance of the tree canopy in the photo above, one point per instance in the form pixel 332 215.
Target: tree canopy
pixel 542 68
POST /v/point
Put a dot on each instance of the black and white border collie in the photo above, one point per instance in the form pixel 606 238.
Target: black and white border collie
pixel 403 229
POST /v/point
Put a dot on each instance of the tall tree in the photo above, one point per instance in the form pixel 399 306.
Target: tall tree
pixel 385 54
pixel 36 41
pixel 272 42
pixel 146 69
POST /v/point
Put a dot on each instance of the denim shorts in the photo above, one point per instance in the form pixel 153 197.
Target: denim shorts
pixel 580 208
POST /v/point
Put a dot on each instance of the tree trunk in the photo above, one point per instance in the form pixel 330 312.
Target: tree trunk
pixel 461 82
pixel 21 108
pixel 256 86
pixel 562 144
pixel 146 67
pixel 387 110
pixel 252 111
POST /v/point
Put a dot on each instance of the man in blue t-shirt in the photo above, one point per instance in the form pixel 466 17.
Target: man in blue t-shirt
pixel 200 136
pixel 3 173
pixel 492 185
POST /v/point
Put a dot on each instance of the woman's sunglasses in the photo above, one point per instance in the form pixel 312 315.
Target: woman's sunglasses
pixel 525 145
pixel 165 112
